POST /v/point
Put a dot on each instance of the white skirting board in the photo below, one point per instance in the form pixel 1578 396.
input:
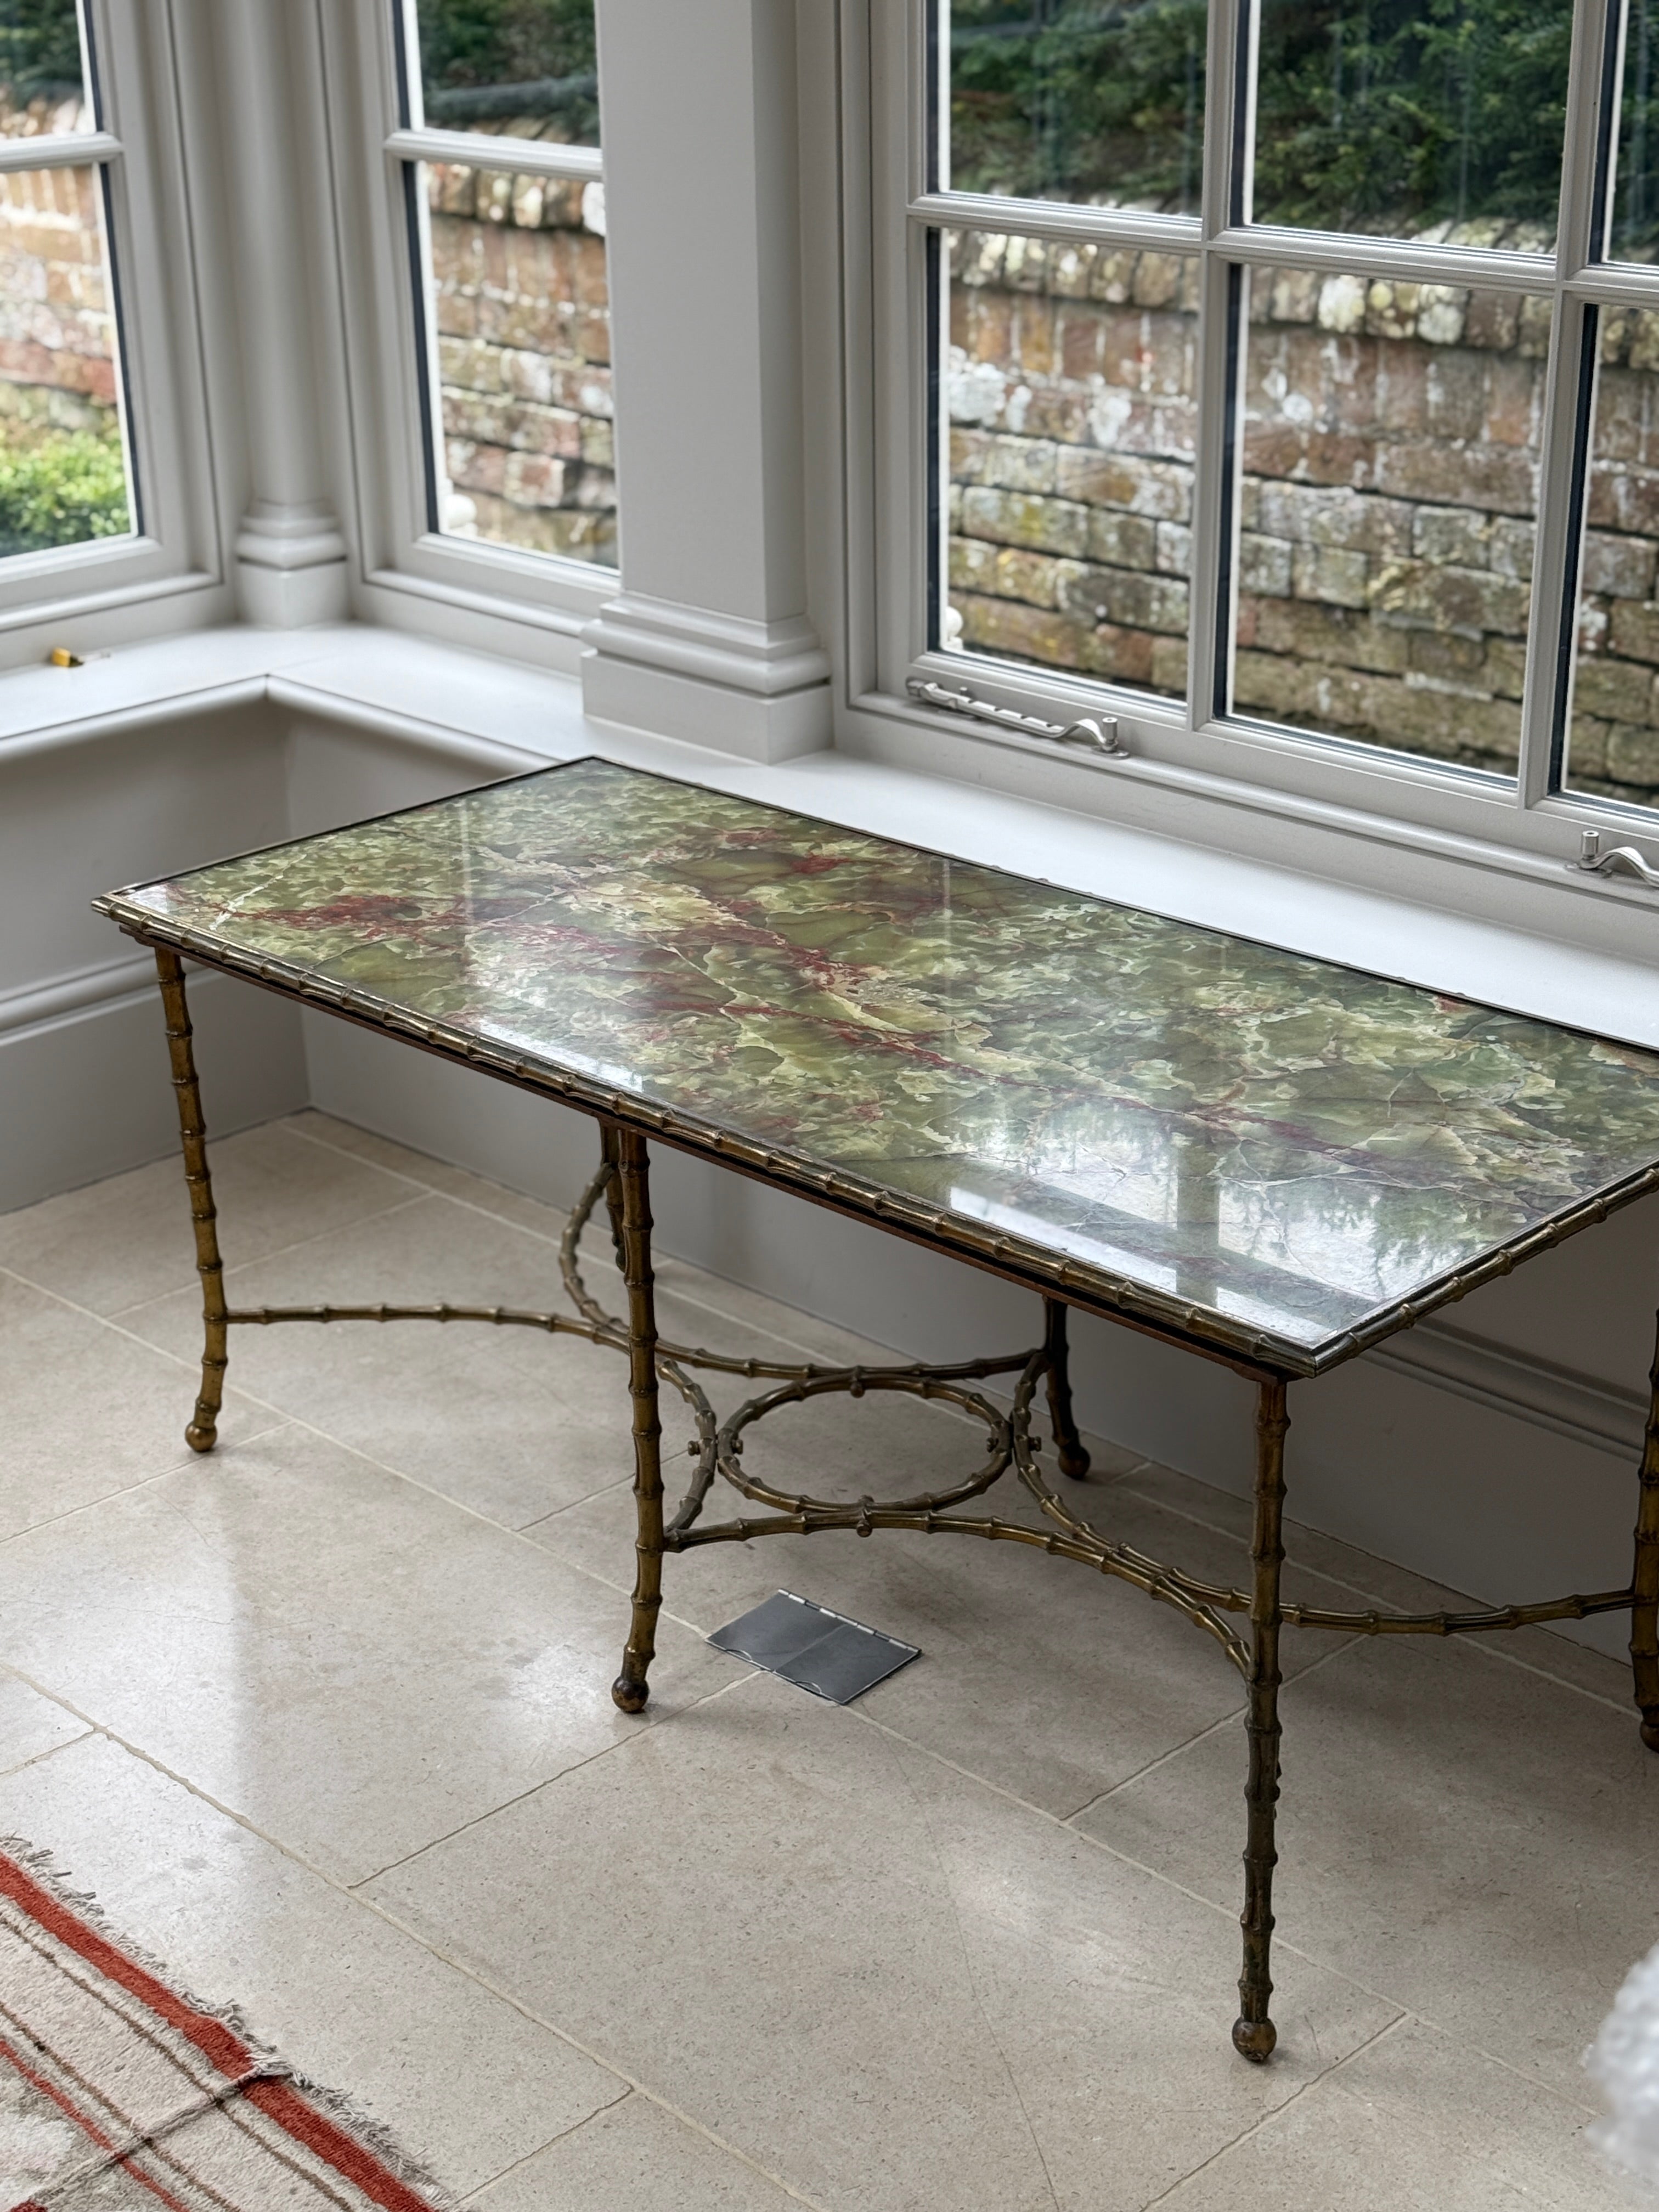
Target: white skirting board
pixel 1430 1455
pixel 85 1091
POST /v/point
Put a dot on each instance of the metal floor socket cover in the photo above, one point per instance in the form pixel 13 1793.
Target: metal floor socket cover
pixel 813 1648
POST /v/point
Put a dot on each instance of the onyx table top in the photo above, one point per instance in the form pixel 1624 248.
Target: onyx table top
pixel 1262 1154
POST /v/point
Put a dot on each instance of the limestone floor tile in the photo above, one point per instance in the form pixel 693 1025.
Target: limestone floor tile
pixel 1371 1581
pixel 513 1422
pixel 629 2156
pixel 31 1725
pixel 497 1200
pixel 1470 1840
pixel 466 2082
pixel 384 1152
pixel 115 1244
pixel 1040 1675
pixel 352 1664
pixel 732 1306
pixel 880 1981
pixel 88 1411
pixel 1413 2123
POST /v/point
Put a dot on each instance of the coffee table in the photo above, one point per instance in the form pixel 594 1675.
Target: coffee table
pixel 1264 1159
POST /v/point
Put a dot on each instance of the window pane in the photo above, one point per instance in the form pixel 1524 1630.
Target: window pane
pixel 523 343
pixel 1613 742
pixel 527 65
pixel 1634 235
pixel 1065 100
pixel 64 475
pixel 1414 118
pixel 1390 454
pixel 1072 433
pixel 42 86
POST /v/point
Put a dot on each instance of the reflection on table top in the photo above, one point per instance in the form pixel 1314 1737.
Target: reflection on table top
pixel 1270 1151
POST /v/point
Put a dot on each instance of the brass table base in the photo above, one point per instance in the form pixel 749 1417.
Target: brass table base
pixel 622 1183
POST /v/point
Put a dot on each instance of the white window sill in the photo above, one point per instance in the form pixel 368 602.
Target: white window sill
pixel 499 717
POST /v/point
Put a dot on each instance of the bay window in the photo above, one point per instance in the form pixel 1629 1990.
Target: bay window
pixel 99 497
pixel 491 483
pixel 1280 380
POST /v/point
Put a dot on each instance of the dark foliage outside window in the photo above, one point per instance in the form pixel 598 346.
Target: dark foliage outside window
pixel 483 62
pixel 39 50
pixel 1372 115
pixel 1072 100
pixel 62 466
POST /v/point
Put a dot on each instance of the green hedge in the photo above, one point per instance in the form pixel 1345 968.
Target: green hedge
pixel 1371 113
pixel 483 60
pixel 40 50
pixel 61 490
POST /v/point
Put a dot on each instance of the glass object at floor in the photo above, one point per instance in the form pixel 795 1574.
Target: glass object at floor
pixel 1227 1130
pixel 1072 399
pixel 530 66
pixel 64 478
pixel 42 87
pixel 1064 99
pixel 521 334
pixel 1438 118
pixel 1388 504
pixel 1613 735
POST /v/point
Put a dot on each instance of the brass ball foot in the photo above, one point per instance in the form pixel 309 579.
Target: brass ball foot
pixel 200 1439
pixel 1650 1735
pixel 1074 1466
pixel 1254 2039
pixel 630 1696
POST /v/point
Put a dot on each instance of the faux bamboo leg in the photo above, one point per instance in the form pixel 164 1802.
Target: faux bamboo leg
pixel 1069 1445
pixel 631 1689
pixel 202 1431
pixel 1644 1580
pixel 608 1138
pixel 1254 2034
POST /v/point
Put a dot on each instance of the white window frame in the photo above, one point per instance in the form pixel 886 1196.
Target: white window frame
pixel 139 150
pixel 386 317
pixel 1178 759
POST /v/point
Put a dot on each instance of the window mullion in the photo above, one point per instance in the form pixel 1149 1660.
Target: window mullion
pixel 1569 375
pixel 1215 520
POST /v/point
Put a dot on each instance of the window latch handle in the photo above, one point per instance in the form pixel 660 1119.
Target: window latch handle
pixel 1622 860
pixel 1095 733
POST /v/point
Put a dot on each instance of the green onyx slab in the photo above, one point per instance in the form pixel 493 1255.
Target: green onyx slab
pixel 1270 1151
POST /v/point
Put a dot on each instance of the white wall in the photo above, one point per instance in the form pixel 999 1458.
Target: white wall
pixel 84 1087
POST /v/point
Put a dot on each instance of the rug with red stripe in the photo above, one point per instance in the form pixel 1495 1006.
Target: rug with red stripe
pixel 117 2095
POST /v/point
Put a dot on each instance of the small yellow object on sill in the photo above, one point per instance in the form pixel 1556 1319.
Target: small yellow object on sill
pixel 61 657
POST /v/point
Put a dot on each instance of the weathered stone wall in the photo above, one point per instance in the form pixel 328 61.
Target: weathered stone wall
pixel 56 340
pixel 524 355
pixel 1390 456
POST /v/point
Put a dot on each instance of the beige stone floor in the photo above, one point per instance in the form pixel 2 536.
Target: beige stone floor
pixel 323 1720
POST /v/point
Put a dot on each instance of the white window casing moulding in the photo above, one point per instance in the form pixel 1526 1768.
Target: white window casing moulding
pixel 758 689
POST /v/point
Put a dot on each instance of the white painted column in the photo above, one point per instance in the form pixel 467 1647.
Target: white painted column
pixel 709 638
pixel 290 556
